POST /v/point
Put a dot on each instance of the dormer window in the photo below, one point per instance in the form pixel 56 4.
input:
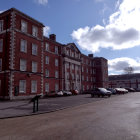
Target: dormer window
pixel 23 26
pixel 34 31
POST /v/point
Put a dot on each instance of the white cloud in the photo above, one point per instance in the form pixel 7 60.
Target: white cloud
pixel 46 30
pixel 42 2
pixel 121 32
pixel 117 65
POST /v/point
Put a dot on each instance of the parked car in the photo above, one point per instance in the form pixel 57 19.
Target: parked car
pixel 113 91
pixel 100 92
pixel 121 90
pixel 59 93
pixel 75 92
pixel 67 93
pixel 130 89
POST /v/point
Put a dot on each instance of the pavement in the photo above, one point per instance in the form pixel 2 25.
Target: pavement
pixel 19 108
pixel 115 118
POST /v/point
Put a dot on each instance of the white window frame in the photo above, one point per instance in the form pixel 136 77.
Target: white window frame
pixel 47 60
pixel 22 86
pixel 23 26
pixel 1 25
pixel 56 74
pixel 34 66
pixel 47 73
pixel 56 49
pixel 56 62
pixel 34 31
pixel 0 64
pixel 34 49
pixel 1 45
pixel 46 46
pixel 33 86
pixel 23 65
pixel 23 46
pixel 46 87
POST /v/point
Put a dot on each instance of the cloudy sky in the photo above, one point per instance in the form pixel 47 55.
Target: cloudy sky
pixel 106 28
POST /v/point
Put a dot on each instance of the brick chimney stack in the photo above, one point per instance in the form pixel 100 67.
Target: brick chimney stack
pixel 52 37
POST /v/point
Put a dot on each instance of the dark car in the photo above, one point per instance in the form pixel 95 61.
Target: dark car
pixel 130 89
pixel 100 92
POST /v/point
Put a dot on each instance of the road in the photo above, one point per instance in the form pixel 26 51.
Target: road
pixel 116 118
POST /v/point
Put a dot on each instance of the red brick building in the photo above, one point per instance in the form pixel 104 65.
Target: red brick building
pixel 125 81
pixel 31 63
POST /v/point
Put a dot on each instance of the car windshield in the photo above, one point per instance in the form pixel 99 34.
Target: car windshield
pixel 102 89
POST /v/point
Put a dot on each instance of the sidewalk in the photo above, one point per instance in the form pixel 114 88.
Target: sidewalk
pixel 23 108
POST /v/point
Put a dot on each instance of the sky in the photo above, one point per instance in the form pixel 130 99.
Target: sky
pixel 106 28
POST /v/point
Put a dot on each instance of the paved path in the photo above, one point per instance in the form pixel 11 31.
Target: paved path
pixel 116 118
pixel 22 108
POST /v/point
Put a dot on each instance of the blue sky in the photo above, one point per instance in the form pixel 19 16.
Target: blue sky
pixel 106 28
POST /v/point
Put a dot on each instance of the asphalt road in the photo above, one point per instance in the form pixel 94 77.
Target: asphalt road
pixel 115 118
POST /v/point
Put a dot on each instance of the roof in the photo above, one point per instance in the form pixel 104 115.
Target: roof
pixel 23 14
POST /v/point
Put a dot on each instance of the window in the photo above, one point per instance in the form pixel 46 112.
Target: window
pixel 87 70
pixel 1 25
pixel 47 60
pixel 34 49
pixel 87 78
pixel 56 62
pixel 34 86
pixel 72 66
pixel 67 65
pixel 72 54
pixel 56 87
pixel 56 74
pixel 34 66
pixel 23 26
pixel 94 71
pixel 87 61
pixel 68 76
pixel 47 47
pixel 34 31
pixel 82 78
pixel 47 73
pixel 56 50
pixel 46 87
pixel 67 52
pixel 83 87
pixel 22 65
pixel 0 64
pixel 1 45
pixel 23 45
pixel 22 86
pixel 87 87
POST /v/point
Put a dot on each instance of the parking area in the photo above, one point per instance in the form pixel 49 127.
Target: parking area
pixel 23 108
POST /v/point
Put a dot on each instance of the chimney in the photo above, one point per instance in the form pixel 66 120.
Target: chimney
pixel 90 55
pixel 52 37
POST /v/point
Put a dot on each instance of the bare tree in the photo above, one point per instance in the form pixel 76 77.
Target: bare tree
pixel 128 70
